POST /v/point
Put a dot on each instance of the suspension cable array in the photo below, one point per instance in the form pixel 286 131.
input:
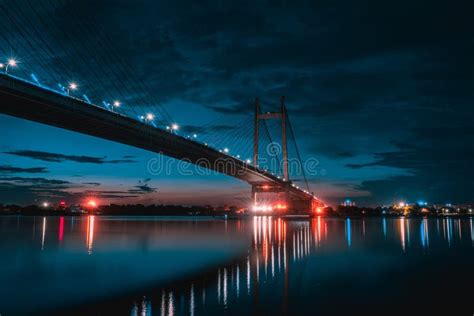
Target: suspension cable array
pixel 95 72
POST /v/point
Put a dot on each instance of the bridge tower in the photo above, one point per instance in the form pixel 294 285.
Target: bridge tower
pixel 282 116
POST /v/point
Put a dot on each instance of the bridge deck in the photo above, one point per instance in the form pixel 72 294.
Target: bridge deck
pixel 25 100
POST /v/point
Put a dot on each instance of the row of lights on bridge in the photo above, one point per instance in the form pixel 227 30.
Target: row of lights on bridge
pixel 73 86
pixel 149 117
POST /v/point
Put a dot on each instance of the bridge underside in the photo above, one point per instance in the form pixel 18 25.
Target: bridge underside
pixel 25 100
pixel 292 203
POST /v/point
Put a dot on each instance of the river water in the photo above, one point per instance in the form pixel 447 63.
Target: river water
pixel 95 265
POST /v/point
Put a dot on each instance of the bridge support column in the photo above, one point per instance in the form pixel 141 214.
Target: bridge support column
pixel 254 194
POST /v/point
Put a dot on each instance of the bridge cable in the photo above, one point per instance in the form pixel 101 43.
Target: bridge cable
pixel 298 152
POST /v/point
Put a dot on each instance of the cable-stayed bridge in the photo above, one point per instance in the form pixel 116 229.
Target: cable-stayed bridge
pixel 30 101
pixel 116 100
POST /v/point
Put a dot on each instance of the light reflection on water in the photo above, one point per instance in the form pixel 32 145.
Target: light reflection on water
pixel 284 266
pixel 269 272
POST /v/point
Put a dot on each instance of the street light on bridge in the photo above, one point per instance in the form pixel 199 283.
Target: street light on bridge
pixel 150 117
pixel 117 104
pixel 72 87
pixel 11 63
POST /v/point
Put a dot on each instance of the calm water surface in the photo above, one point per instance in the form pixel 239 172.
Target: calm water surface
pixel 260 266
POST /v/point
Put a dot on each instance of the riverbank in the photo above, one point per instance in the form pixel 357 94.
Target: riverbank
pixel 226 216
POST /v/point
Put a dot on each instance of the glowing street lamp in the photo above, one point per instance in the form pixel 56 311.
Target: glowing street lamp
pixel 226 150
pixel 150 117
pixel 72 86
pixel 174 127
pixel 115 104
pixel 11 63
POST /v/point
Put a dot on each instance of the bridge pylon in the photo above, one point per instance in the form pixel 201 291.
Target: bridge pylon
pixel 283 190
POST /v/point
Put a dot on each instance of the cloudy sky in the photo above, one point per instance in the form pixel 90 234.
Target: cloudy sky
pixel 379 92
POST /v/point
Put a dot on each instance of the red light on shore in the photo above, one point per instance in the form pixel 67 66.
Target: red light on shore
pixel 62 203
pixel 92 203
pixel 319 210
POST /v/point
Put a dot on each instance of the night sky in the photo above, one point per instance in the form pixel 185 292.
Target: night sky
pixel 380 92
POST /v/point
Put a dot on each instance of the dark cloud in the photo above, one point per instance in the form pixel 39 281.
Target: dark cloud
pixel 106 194
pixel 118 196
pixel 345 154
pixel 38 181
pixel 437 174
pixel 28 190
pixel 31 190
pixel 91 183
pixel 54 157
pixel 28 194
pixel 142 187
pixel 412 189
pixel 236 109
pixel 11 169
pixel 390 80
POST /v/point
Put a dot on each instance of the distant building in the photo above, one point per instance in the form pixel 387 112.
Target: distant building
pixel 77 209
pixel 62 206
pixel 348 203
